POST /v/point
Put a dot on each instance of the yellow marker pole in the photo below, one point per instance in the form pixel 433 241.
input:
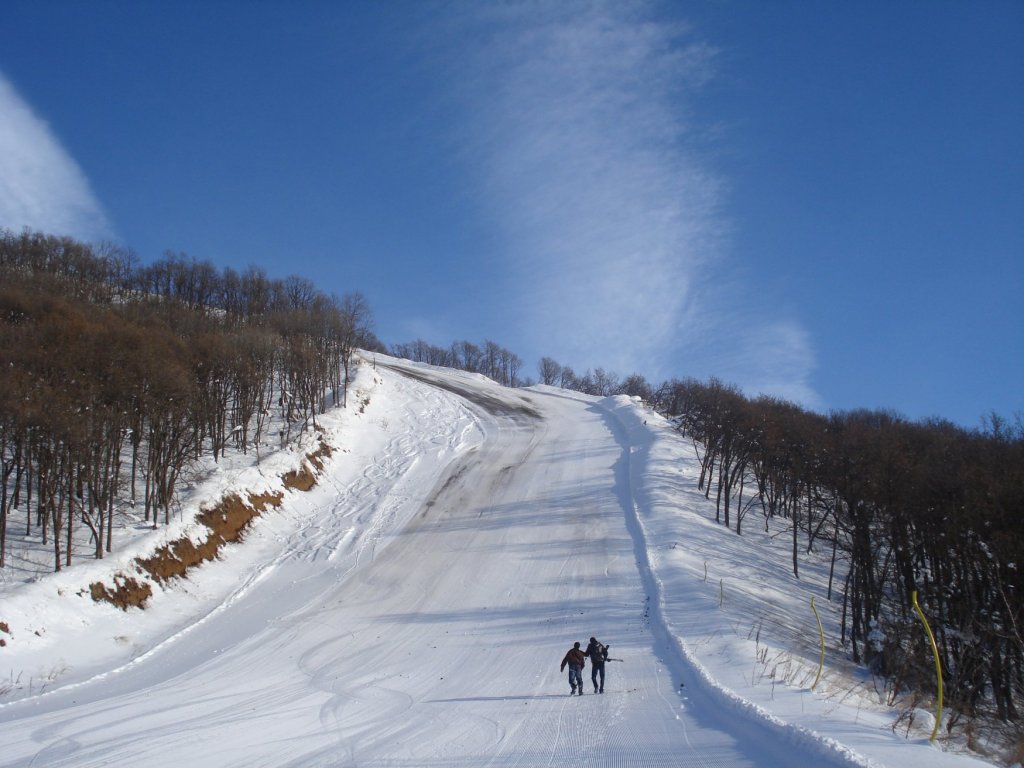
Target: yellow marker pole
pixel 938 664
pixel 821 636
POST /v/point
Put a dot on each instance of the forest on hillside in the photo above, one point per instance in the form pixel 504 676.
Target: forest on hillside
pixel 115 377
pixel 900 508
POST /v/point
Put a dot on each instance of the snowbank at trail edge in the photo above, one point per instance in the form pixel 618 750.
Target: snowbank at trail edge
pixel 743 623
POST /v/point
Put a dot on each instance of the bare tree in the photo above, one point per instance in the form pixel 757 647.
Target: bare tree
pixel 550 371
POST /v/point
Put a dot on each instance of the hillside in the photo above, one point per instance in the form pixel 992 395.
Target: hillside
pixel 412 608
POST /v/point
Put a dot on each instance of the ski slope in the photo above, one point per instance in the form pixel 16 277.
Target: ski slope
pixel 413 608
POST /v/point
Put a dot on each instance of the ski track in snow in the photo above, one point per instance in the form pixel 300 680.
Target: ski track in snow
pixel 416 612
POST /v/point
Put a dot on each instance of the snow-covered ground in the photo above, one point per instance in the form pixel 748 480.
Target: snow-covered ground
pixel 413 607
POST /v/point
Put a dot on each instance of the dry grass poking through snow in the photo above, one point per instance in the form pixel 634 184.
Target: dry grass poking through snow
pixel 227 522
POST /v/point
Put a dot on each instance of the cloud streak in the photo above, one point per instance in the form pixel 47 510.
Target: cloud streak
pixel 41 186
pixel 593 170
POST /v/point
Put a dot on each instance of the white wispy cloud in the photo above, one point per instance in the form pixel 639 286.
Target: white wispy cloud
pixel 593 169
pixel 41 185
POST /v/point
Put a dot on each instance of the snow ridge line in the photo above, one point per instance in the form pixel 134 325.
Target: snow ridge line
pixel 630 430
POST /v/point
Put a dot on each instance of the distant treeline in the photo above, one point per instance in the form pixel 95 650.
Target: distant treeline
pixel 498 363
pixel 489 358
pixel 897 506
pixel 114 377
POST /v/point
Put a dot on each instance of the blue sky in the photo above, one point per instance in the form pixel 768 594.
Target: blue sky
pixel 818 200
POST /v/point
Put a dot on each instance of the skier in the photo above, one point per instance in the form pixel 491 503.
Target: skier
pixel 575 659
pixel 598 655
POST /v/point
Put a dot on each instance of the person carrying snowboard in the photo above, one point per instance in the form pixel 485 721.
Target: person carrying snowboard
pixel 598 655
pixel 575 659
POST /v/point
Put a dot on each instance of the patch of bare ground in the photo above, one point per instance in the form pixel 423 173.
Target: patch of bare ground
pixel 304 478
pixel 127 592
pixel 227 523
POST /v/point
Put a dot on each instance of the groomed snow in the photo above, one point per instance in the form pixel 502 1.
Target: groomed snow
pixel 413 608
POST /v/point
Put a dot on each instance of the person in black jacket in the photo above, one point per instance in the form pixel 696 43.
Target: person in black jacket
pixel 598 655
